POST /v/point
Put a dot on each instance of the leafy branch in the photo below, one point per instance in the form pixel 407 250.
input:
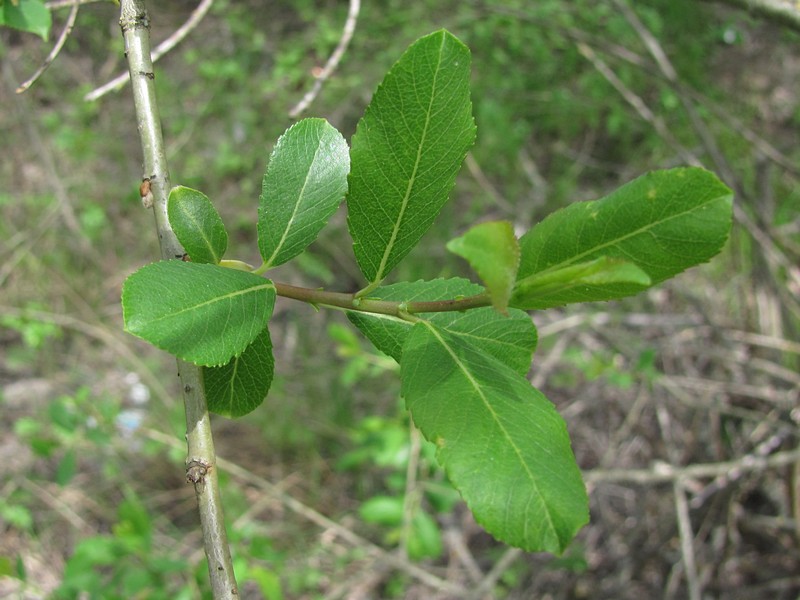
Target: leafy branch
pixel 201 460
pixel 464 348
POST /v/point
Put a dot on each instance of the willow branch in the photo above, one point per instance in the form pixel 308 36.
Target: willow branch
pixel 201 461
pixel 252 479
pixel 164 47
pixel 381 307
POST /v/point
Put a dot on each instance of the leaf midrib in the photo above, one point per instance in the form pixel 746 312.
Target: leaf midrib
pixel 232 383
pixel 198 224
pixel 476 385
pixel 619 240
pixel 407 196
pixel 296 207
pixel 470 335
pixel 194 307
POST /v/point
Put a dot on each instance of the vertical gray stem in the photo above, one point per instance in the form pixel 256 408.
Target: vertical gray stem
pixel 201 468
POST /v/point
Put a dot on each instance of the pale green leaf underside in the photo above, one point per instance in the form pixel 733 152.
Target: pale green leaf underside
pixel 406 151
pixel 544 287
pixel 197 225
pixel 240 386
pixel 502 443
pixel 305 182
pixel 663 222
pixel 511 339
pixel 492 251
pixel 201 313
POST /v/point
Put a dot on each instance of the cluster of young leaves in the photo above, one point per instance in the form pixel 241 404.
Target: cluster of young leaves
pixel 502 443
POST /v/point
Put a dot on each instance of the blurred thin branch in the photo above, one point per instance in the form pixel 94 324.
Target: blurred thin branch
pixel 602 44
pixel 782 12
pixel 412 495
pixel 498 570
pixel 46 153
pixel 687 541
pixel 57 503
pixel 107 336
pixel 480 177
pixel 56 4
pixel 73 14
pixel 333 61
pixel 662 472
pixel 637 103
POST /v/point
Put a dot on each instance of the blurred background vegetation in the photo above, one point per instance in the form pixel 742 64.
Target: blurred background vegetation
pixel 571 100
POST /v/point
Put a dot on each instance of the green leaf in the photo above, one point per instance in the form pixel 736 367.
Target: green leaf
pixel 268 581
pixel 203 314
pixel 6 569
pixel 511 339
pixel 492 250
pixel 502 443
pixel 27 15
pixel 304 184
pixel 425 539
pixel 663 222
pixel 240 387
pixel 603 271
pixel 67 467
pixel 406 151
pixel 197 225
pixel 17 516
pixel 384 510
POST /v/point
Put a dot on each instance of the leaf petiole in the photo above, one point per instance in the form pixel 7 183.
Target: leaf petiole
pixel 366 290
pixel 237 265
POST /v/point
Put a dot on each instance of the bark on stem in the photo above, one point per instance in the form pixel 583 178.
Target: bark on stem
pixel 381 307
pixel 201 462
